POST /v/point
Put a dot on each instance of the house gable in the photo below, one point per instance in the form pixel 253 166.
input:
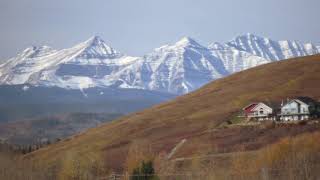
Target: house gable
pixel 262 108
pixel 262 105
pixel 295 106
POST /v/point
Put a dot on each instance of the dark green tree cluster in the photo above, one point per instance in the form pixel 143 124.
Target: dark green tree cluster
pixel 314 109
pixel 144 171
pixel 22 148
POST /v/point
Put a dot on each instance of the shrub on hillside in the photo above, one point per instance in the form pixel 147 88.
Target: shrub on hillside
pixel 144 171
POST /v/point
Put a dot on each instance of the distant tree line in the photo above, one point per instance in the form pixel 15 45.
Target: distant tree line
pixel 25 148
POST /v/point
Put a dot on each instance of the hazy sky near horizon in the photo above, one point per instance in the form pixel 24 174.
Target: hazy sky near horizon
pixel 135 27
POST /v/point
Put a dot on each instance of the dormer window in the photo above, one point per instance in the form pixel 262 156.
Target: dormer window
pixel 261 111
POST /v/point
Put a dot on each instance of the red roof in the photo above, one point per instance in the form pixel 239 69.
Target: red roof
pixel 248 109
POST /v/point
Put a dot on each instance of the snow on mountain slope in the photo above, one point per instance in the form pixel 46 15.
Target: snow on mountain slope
pixel 176 68
pixel 78 67
pixel 235 60
pixel 247 51
pixel 17 70
pixel 272 50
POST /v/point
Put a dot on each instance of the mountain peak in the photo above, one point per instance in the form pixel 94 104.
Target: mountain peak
pixel 95 47
pixel 249 36
pixel 36 48
pixel 35 51
pixel 178 67
pixel 187 41
pixel 95 39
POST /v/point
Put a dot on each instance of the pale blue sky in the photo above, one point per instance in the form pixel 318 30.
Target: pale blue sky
pixel 135 27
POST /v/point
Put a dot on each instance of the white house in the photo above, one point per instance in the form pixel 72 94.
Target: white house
pixel 259 111
pixel 295 109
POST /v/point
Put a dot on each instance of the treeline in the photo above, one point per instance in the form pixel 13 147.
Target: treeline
pixel 15 166
pixel 25 148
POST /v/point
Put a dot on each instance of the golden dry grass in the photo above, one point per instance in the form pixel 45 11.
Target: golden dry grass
pixel 190 116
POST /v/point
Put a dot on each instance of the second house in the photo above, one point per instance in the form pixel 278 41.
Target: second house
pixel 259 111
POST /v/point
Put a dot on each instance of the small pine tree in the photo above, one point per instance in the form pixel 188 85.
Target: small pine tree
pixel 135 174
pixel 48 142
pixel 24 150
pixel 147 168
pixel 30 149
pixel 145 171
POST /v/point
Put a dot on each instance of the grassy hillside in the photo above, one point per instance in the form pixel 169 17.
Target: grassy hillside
pixel 196 117
pixel 294 158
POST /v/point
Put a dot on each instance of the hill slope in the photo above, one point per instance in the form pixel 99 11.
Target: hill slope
pixel 191 116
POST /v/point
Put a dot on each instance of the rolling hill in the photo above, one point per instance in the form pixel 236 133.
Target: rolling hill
pixel 198 117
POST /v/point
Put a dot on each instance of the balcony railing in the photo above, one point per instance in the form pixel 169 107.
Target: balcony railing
pixel 258 115
pixel 293 113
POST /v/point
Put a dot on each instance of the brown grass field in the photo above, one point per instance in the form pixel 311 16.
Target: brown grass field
pixel 196 117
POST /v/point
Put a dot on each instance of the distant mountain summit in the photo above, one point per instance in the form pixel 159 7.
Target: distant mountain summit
pixel 82 66
pixel 176 68
pixel 249 50
pixel 272 50
pixel 95 47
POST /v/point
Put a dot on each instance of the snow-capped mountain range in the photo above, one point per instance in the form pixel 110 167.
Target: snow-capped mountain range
pixel 176 68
